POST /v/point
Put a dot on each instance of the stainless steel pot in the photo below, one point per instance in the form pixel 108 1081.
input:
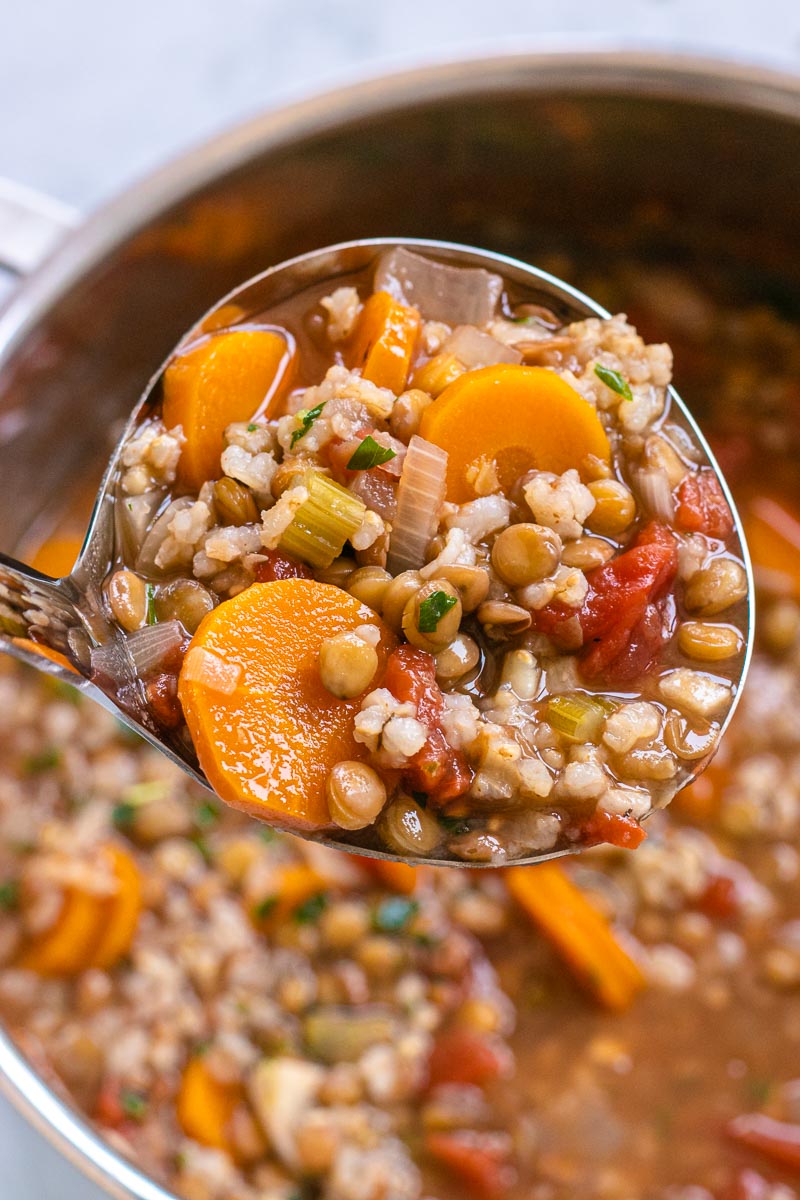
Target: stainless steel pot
pixel 593 154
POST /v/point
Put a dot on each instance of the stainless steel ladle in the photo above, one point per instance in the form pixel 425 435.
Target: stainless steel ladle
pixel 68 615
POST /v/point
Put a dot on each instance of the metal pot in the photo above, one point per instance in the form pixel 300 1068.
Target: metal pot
pixel 588 153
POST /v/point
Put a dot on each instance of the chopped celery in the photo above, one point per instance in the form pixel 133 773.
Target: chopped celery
pixel 579 717
pixel 323 522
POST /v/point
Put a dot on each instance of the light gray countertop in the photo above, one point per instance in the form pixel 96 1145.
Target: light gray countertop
pixel 95 94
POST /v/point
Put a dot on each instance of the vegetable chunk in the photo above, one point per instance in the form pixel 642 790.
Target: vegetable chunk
pixel 229 377
pixel 266 730
pixel 517 418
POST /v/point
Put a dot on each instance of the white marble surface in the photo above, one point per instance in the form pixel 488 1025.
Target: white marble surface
pixel 95 93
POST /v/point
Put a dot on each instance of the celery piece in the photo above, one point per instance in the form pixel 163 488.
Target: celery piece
pixel 579 718
pixel 323 522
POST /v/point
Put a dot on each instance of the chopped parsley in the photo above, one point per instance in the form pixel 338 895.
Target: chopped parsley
pixel 251 428
pixel 614 380
pixel 202 845
pixel 122 815
pixel 432 609
pixel 393 915
pixel 9 895
pixel 311 909
pixel 306 417
pixel 267 834
pixel 151 617
pixel 453 824
pixel 45 760
pixel 133 1104
pixel 206 815
pixel 264 907
pixel 369 454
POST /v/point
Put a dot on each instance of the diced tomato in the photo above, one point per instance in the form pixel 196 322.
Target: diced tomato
pixel 776 1140
pixel 719 898
pixel 280 566
pixel 613 829
pixel 702 507
pixel 479 1160
pixel 438 770
pixel 462 1056
pixel 624 619
pixel 108 1108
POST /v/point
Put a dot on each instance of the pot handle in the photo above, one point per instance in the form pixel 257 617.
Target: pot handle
pixel 31 225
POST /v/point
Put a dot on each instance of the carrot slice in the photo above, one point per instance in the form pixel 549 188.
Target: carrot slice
pixel 266 731
pixel 119 926
pixel 580 934
pixel 515 417
pixel 204 1106
pixel 38 648
pixel 56 556
pixel 228 377
pixel 384 341
pixel 772 530
pixel 65 948
pixel 399 876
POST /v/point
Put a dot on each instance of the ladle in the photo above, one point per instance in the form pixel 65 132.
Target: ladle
pixel 69 616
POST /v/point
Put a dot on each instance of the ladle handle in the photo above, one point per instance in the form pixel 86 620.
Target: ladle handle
pixel 31 225
pixel 36 607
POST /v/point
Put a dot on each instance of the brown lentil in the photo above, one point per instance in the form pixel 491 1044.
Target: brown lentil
pixel 526 553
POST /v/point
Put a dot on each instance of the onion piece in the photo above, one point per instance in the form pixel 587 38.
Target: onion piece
pixel 201 666
pixel 112 661
pixel 457 295
pixel 154 646
pixel 132 515
pixel 146 562
pixel 656 494
pixel 420 497
pixel 475 349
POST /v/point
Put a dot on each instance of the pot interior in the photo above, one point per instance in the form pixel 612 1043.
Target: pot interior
pixel 579 183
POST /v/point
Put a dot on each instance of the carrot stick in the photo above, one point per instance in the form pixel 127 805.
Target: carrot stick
pixel 578 932
pixel 384 340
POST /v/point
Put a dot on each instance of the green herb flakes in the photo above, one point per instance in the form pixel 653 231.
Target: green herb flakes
pixel 133 1104
pixel 264 907
pixel 369 454
pixel 433 609
pixel 252 427
pixel 206 815
pixel 310 911
pixel 613 380
pixel 306 417
pixel 122 815
pixel 394 914
pixel 151 617
pixel 9 895
pixel 45 760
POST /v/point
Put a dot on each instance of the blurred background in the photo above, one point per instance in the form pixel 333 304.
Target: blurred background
pixel 95 94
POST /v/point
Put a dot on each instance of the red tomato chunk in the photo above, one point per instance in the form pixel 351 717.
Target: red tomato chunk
pixel 280 566
pixel 625 619
pixel 479 1160
pixel 702 507
pixel 437 769
pixel 612 829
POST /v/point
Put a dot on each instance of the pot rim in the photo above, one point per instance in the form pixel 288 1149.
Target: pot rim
pixel 759 85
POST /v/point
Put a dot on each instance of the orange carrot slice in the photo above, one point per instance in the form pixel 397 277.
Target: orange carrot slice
pixel 772 530
pixel 399 876
pixel 122 919
pixel 38 648
pixel 56 556
pixel 515 417
pixel 204 1106
pixel 65 948
pixel 228 377
pixel 579 933
pixel 266 731
pixel 384 341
